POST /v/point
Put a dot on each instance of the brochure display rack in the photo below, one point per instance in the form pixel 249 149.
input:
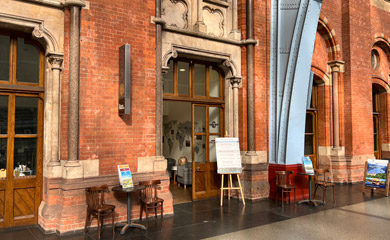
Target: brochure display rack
pixel 125 178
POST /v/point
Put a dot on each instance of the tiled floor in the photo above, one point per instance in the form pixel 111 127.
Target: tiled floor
pixel 204 219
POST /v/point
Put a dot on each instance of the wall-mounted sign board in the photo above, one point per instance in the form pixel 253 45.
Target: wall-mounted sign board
pixel 124 80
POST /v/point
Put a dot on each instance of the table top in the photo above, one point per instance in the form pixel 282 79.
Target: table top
pixel 128 190
pixel 302 173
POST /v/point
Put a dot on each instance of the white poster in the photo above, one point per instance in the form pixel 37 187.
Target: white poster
pixel 228 155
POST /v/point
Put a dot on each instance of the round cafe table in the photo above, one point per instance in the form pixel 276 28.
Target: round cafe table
pixel 309 201
pixel 128 224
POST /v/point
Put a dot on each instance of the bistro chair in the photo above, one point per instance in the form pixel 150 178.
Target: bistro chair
pixel 149 200
pixel 283 183
pixel 97 208
pixel 320 181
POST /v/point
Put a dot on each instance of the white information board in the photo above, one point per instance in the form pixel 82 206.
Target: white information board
pixel 228 155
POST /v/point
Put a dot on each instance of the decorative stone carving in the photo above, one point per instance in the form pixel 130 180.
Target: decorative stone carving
pixel 56 60
pixel 214 19
pixel 37 32
pixel 175 13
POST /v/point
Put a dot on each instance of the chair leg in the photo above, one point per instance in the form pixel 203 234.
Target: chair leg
pixel 99 226
pixel 113 221
pixel 315 191
pixel 282 198
pixel 140 213
pixel 155 210
pixel 334 200
pixel 162 214
pixel 295 196
pixel 147 218
pixel 324 195
pixel 277 195
pixel 87 220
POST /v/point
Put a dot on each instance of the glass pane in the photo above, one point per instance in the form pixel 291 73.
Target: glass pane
pixel 4 57
pixel 309 123
pixel 200 149
pixel 3 114
pixel 214 83
pixel 25 157
pixel 213 155
pixel 26 115
pixel 28 63
pixel 168 78
pixel 183 78
pixel 214 119
pixel 374 124
pixel 309 145
pixel 375 143
pixel 3 157
pixel 200 119
pixel 200 79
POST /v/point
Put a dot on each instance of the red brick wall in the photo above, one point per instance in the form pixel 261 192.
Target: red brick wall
pixel 103 134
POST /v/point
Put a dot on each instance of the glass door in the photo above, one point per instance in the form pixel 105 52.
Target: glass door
pixel 311 137
pixel 20 158
pixel 206 126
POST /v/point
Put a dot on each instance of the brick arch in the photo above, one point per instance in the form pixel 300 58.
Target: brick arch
pixel 326 30
pixel 383 42
pixel 376 80
pixel 321 75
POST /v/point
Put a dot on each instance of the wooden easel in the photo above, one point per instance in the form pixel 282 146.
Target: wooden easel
pixel 230 186
pixel 386 190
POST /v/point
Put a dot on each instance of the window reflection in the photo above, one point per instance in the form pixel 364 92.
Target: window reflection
pixel 26 115
pixel 25 157
pixel 27 63
pixel 3 114
pixel 4 57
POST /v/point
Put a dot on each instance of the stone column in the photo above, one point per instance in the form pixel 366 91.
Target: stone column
pixel 235 33
pixel 199 25
pixel 235 82
pixel 336 67
pixel 55 61
pixel 74 79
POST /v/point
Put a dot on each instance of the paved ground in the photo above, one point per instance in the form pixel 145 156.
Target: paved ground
pixel 355 216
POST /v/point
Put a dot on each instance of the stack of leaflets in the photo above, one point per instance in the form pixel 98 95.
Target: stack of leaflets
pixel 125 178
pixel 308 165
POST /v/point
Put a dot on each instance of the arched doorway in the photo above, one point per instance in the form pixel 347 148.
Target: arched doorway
pixel 311 132
pixel 192 119
pixel 376 118
pixel 21 128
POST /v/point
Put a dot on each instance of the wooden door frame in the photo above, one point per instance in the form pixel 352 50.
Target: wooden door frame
pixel 12 89
pixel 209 192
pixel 315 137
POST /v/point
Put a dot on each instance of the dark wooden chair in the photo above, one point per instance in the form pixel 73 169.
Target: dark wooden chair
pixel 320 181
pixel 97 208
pixel 149 200
pixel 283 183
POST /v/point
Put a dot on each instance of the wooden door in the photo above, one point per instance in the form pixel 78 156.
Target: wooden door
pixel 311 146
pixel 207 124
pixel 21 157
pixel 22 63
pixel 377 139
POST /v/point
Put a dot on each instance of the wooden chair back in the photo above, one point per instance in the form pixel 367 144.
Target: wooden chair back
pixel 320 175
pixel 150 192
pixel 95 197
pixel 283 178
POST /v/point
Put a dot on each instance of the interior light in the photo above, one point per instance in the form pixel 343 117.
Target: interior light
pixel 182 70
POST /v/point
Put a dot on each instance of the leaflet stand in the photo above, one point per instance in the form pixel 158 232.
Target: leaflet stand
pixel 229 163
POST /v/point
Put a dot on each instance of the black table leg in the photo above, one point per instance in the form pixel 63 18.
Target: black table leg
pixel 129 224
pixel 310 201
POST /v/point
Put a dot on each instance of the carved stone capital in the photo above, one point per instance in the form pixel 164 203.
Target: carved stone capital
pixel 336 66
pixel 235 81
pixel 55 60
